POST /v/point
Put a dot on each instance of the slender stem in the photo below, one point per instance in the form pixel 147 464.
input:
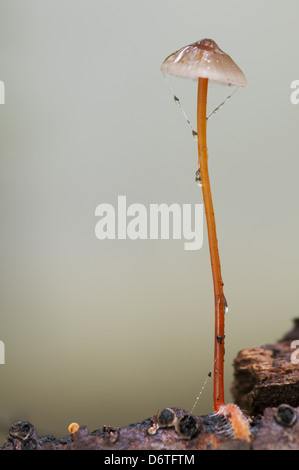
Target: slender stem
pixel 213 244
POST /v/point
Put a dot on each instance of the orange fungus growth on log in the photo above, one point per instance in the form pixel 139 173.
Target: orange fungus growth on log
pixel 73 427
pixel 237 420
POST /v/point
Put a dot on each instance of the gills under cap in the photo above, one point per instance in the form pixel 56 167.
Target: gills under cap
pixel 206 60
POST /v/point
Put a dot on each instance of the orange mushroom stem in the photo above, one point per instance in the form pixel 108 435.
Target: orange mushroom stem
pixel 213 244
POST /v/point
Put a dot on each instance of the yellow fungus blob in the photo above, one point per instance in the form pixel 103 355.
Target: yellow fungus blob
pixel 73 427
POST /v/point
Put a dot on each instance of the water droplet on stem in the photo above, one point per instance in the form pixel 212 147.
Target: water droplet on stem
pixel 225 307
pixel 198 178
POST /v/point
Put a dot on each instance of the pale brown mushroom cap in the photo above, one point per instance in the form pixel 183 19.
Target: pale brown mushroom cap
pixel 204 59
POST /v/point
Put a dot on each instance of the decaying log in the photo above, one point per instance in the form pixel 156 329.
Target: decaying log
pixel 196 433
pixel 266 376
pixel 278 428
pixel 266 385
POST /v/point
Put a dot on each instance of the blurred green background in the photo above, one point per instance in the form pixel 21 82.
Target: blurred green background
pixel 108 332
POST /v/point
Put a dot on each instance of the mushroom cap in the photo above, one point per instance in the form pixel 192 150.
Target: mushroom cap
pixel 204 59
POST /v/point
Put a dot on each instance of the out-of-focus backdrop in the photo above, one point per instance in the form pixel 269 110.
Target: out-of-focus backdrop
pixel 108 332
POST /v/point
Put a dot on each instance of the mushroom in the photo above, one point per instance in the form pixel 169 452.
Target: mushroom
pixel 204 61
pixel 73 428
